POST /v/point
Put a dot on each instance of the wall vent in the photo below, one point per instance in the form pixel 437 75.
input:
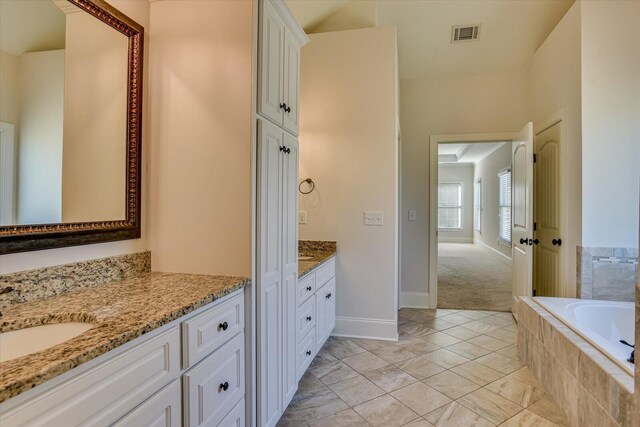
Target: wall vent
pixel 464 33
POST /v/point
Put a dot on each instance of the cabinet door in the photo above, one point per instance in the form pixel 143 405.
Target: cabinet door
pixel 235 417
pixel 291 81
pixel 321 317
pixel 269 287
pixel 163 409
pixel 271 62
pixel 289 265
pixel 330 306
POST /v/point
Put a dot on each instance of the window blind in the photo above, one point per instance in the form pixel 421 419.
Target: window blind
pixel 504 208
pixel 449 205
pixel 477 205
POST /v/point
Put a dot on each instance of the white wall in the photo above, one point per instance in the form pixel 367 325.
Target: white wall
pixel 433 106
pixel 464 175
pixel 348 145
pixel 610 123
pixel 555 86
pixel 9 101
pixel 201 85
pixel 487 170
pixel 139 11
pixel 41 98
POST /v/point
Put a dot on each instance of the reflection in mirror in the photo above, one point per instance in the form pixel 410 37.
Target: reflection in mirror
pixel 63 115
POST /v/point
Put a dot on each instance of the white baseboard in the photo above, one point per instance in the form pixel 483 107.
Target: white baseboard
pixel 453 239
pixel 484 245
pixel 377 329
pixel 414 300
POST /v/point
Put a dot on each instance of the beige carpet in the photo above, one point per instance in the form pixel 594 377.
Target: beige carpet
pixel 471 277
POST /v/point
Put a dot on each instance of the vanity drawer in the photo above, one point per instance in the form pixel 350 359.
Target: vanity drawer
pixel 214 386
pixel 235 418
pixel 305 288
pixel 204 333
pixel 325 272
pixel 106 392
pixel 306 352
pixel 162 409
pixel 306 318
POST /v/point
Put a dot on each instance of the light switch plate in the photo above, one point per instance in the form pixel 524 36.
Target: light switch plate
pixel 302 217
pixel 412 215
pixel 373 218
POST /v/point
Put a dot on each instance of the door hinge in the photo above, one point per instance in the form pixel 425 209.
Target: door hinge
pixel 535 226
pixel 535 292
pixel 535 158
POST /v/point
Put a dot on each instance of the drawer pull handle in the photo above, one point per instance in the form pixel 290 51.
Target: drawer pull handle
pixel 308 318
pixel 223 387
pixel 328 296
pixel 308 352
pixel 309 288
pixel 223 326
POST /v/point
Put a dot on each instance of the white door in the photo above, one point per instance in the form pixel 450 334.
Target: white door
pixel 290 264
pixel 270 83
pixel 522 214
pixel 547 253
pixel 269 287
pixel 291 81
pixel 330 307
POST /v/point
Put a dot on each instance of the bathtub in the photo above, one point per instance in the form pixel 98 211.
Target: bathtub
pixel 602 323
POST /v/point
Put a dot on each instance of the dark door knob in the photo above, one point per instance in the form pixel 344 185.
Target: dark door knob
pixel 328 296
pixel 283 149
pixel 536 241
pixel 523 241
pixel 223 326
pixel 283 106
pixel 288 109
pixel 308 318
pixel 223 387
pixel 308 352
pixel 309 288
pixel 556 242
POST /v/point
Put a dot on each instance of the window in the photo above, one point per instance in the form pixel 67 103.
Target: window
pixel 504 206
pixel 450 205
pixel 477 205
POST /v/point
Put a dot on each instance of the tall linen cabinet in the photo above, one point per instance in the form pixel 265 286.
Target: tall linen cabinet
pixel 279 41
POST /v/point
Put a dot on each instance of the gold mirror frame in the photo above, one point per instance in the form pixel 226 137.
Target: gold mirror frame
pixel 23 238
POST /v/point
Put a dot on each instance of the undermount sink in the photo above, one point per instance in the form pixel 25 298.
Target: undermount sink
pixel 14 344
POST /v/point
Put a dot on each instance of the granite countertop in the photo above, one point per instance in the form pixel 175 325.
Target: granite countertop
pixel 318 258
pixel 121 311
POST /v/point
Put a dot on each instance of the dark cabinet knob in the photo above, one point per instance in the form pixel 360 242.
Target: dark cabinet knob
pixel 328 296
pixel 556 242
pixel 308 352
pixel 223 387
pixel 309 288
pixel 223 326
pixel 308 318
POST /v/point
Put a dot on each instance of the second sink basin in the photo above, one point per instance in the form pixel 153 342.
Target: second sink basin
pixel 14 344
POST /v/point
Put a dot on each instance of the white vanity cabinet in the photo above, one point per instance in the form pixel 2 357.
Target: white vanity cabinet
pixel 144 383
pixel 316 312
pixel 279 65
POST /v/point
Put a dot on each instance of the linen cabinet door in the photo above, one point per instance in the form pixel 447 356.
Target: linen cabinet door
pixel 330 306
pixel 271 62
pixel 291 82
pixel 289 265
pixel 321 318
pixel 269 287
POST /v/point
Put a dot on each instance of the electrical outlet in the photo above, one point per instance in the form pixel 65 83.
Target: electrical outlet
pixel 412 215
pixel 373 218
pixel 302 217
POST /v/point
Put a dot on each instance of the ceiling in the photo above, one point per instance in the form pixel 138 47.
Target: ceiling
pixel 468 153
pixel 31 26
pixel 511 31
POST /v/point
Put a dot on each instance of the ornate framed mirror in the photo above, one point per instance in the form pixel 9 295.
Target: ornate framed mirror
pixel 70 124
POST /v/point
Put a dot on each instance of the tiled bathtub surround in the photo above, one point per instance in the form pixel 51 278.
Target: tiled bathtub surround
pixel 607 273
pixel 592 390
pixel 46 282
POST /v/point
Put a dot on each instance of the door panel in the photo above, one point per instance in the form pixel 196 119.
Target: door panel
pixel 270 288
pixel 291 81
pixel 271 64
pixel 290 264
pixel 522 214
pixel 547 257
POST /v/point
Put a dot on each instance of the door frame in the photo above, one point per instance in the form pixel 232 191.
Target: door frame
pixel 434 140
pixel 567 286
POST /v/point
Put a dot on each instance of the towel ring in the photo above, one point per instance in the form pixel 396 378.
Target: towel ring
pixel 308 181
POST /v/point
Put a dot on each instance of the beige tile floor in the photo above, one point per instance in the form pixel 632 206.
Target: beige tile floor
pixel 450 368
